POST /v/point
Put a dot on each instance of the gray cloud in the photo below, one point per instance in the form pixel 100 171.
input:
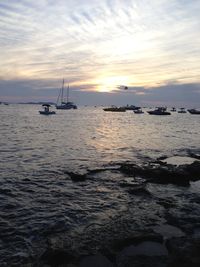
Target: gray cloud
pixel 43 90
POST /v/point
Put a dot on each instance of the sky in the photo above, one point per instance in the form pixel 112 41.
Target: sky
pixel 98 47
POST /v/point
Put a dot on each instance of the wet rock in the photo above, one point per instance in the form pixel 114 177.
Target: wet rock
pixel 184 252
pixel 194 170
pixel 170 176
pixel 146 253
pixel 106 168
pixel 77 177
pixel 135 239
pixel 144 261
pixel 20 257
pixel 97 260
pixel 131 183
pixel 139 190
pixel 162 158
pixel 156 173
pixel 162 163
pixel 56 257
pixel 166 203
pixel 168 231
pixel 194 155
pixel 186 220
pixel 131 169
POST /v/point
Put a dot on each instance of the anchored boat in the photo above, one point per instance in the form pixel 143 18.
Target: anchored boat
pixel 194 111
pixel 47 110
pixel 115 109
pixel 61 103
pixel 159 111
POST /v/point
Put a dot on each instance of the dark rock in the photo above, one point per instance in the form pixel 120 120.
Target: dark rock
pixel 193 155
pixel 97 260
pixel 166 203
pixel 99 170
pixel 186 220
pixel 162 158
pixel 129 184
pixel 56 257
pixel 170 176
pixel 158 174
pixel 77 177
pixel 139 190
pixel 193 170
pixel 19 258
pixel 162 163
pixel 184 252
pixel 136 239
pixel 145 261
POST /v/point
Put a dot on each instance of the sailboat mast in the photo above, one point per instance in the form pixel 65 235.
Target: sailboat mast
pixel 62 91
pixel 68 93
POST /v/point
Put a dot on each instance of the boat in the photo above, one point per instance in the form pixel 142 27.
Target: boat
pixel 194 111
pixel 47 110
pixel 115 109
pixel 173 109
pixel 138 111
pixel 182 110
pixel 131 107
pixel 61 104
pixel 159 111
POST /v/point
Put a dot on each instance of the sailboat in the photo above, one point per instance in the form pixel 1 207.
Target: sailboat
pixel 61 104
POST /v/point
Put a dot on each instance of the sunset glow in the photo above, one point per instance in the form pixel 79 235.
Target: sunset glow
pixel 99 45
pixel 112 83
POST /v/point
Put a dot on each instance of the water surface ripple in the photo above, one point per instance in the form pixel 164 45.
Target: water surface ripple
pixel 37 197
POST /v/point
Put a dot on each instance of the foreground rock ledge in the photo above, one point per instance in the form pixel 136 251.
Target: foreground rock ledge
pixel 159 172
pixel 180 252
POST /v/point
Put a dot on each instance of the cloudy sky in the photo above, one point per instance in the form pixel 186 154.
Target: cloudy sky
pixel 153 47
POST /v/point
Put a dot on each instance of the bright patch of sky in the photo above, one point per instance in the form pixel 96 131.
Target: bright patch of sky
pixel 98 45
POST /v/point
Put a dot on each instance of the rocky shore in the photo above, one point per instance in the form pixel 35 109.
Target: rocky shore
pixel 158 227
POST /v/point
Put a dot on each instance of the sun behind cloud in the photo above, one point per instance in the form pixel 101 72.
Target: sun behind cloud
pixel 111 83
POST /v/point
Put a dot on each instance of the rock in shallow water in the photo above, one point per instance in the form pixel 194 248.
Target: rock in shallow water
pixel 77 177
pixel 97 260
pixel 184 252
pixel 56 257
pixel 157 173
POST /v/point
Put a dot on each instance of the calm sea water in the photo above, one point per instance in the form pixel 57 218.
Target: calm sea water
pixel 38 198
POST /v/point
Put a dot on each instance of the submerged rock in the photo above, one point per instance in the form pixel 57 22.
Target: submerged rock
pixel 97 260
pixel 136 239
pixel 184 252
pixel 77 177
pixel 139 190
pixel 194 170
pixel 144 261
pixel 164 174
pixel 56 257
pixel 194 155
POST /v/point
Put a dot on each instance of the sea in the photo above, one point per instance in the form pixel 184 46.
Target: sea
pixel 38 199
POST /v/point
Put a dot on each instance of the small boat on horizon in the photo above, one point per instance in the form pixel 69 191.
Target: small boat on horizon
pixel 115 109
pixel 46 110
pixel 182 110
pixel 173 109
pixel 61 104
pixel 131 107
pixel 194 111
pixel 138 111
pixel 159 111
